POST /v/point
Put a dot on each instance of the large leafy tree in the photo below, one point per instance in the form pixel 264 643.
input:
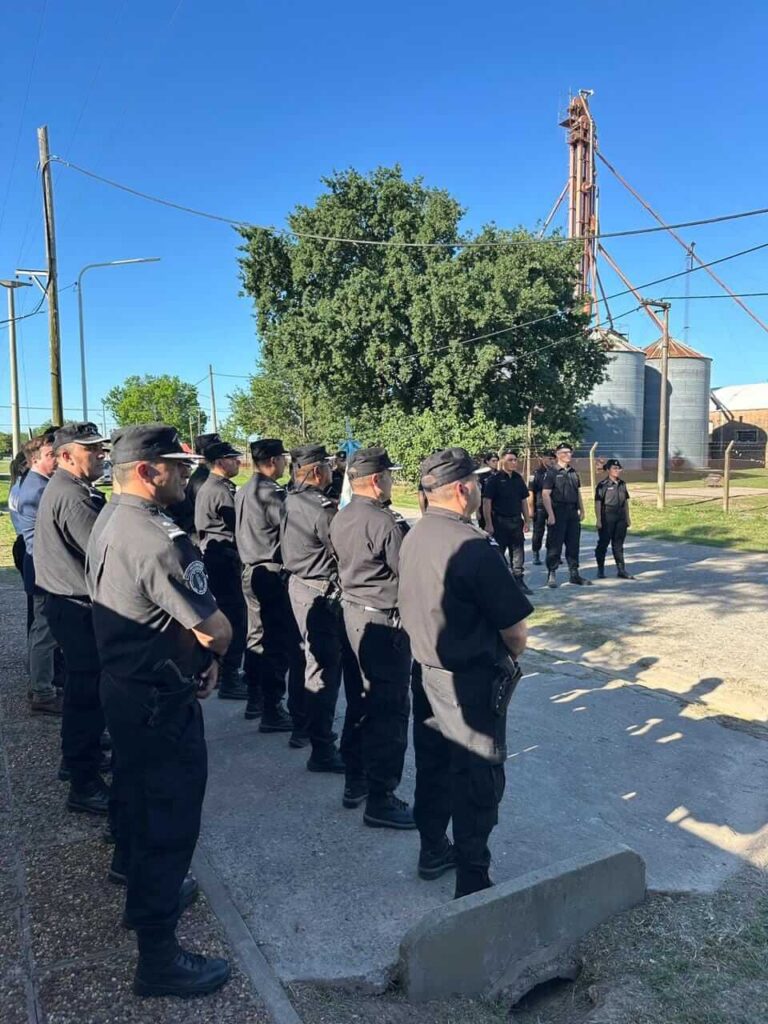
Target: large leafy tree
pixel 151 399
pixel 381 332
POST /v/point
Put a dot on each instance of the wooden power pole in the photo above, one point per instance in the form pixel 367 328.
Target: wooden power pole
pixel 213 401
pixel 54 331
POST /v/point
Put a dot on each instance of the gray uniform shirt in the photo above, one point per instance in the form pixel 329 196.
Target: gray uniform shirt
pixel 215 512
pixel 456 593
pixel 366 537
pixel 305 540
pixel 148 588
pixel 259 511
pixel 65 518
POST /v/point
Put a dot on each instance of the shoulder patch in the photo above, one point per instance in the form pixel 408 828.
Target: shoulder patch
pixel 196 578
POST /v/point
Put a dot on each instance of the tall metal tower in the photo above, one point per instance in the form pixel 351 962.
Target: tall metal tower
pixel 582 194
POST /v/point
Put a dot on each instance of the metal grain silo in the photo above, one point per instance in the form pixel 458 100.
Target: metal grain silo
pixel 688 391
pixel 613 413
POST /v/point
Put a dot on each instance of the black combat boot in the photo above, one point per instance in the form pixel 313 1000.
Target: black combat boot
pixel 355 791
pixel 536 558
pixel 385 810
pixel 551 579
pixel 255 706
pixel 330 761
pixel 91 798
pixel 434 863
pixel 165 969
pixel 274 719
pixel 601 570
pixel 578 580
pixel 621 572
pixel 231 686
pixel 520 581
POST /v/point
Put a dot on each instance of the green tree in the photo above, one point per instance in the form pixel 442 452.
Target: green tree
pixel 374 332
pixel 6 443
pixel 152 399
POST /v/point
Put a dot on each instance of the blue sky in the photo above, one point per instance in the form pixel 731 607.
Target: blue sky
pixel 240 108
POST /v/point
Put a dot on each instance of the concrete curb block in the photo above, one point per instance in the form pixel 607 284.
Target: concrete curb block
pixel 520 933
pixel 244 946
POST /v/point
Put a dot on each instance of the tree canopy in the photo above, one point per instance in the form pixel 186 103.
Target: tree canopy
pixel 435 332
pixel 150 399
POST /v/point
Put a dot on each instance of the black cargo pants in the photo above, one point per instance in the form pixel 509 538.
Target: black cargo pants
pixel 383 654
pixel 539 527
pixel 223 569
pixel 158 798
pixel 273 642
pixel 613 531
pixel 454 780
pixel 82 722
pixel 508 534
pixel 566 531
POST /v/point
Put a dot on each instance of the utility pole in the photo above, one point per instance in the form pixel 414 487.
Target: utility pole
pixel 663 454
pixel 191 434
pixel 54 332
pixel 104 420
pixel 213 401
pixel 15 421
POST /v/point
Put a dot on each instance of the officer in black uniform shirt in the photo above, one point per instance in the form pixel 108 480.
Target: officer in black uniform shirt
pixel 337 474
pixel 505 511
pixel 160 636
pixel 490 462
pixel 184 511
pixel 366 536
pixel 464 614
pixel 68 509
pixel 561 494
pixel 611 518
pixel 313 588
pixel 273 644
pixel 215 531
pixel 536 508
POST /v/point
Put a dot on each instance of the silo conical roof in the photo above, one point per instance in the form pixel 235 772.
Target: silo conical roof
pixel 613 340
pixel 677 350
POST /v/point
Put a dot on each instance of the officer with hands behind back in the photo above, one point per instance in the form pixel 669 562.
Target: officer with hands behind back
pixel 366 537
pixel 160 637
pixel 561 495
pixel 612 519
pixel 464 615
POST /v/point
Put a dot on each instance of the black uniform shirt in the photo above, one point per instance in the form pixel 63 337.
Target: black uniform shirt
pixel 612 495
pixel 366 537
pixel 456 593
pixel 148 588
pixel 506 492
pixel 65 518
pixel 184 511
pixel 305 540
pixel 259 510
pixel 564 483
pixel 536 485
pixel 215 513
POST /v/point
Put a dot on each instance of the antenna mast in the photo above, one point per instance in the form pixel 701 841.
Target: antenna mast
pixel 582 194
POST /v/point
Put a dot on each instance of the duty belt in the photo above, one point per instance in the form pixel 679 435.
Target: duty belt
pixel 325 587
pixel 390 613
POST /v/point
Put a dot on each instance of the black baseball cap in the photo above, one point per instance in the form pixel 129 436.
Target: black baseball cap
pixel 77 433
pixel 612 462
pixel 509 450
pixel 267 448
pixel 564 447
pixel 366 461
pixel 446 466
pixel 203 440
pixel 147 443
pixel 220 450
pixel 307 454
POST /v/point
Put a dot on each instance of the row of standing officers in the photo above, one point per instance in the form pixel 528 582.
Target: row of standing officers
pixel 305 596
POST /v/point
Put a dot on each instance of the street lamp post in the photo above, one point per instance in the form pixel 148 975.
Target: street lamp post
pixel 15 419
pixel 91 266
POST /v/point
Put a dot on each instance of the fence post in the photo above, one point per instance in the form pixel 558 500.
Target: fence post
pixel 727 478
pixel 592 468
pixel 766 455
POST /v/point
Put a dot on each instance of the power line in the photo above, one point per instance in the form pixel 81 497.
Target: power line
pixel 239 222
pixel 738 295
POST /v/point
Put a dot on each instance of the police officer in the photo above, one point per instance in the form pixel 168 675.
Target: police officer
pixel 337 474
pixel 366 536
pixel 184 511
pixel 506 515
pixel 313 588
pixel 160 637
pixel 488 461
pixel 612 519
pixel 273 643
pixel 68 509
pixel 561 495
pixel 464 614
pixel 215 531
pixel 537 510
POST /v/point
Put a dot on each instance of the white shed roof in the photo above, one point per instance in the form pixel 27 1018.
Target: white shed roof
pixel 741 397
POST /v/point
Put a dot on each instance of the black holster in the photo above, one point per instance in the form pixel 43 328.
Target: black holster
pixel 176 692
pixel 504 684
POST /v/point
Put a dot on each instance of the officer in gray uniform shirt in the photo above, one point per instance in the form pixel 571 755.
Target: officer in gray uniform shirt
pixel 273 644
pixel 68 509
pixel 464 615
pixel 366 536
pixel 160 638
pixel 215 530
pixel 314 591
